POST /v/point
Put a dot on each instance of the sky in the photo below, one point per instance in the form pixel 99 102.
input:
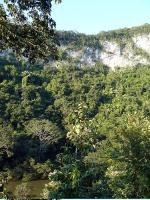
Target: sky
pixel 94 16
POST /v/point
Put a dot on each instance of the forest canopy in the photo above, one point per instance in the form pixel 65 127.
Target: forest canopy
pixel 87 129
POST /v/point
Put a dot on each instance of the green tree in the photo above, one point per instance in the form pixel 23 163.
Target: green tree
pixel 81 133
pixel 45 131
pixel 126 154
pixel 6 140
pixel 27 28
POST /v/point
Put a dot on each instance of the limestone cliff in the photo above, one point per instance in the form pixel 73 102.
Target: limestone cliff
pixel 119 48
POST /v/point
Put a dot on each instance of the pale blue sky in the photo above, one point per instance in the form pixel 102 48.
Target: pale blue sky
pixel 93 16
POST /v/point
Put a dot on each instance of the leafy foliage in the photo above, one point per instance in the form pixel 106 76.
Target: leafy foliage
pixel 27 28
pixel 87 129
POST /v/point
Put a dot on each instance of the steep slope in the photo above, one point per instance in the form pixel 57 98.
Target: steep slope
pixel 118 48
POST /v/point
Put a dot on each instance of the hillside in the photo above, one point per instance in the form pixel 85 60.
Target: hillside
pixel 117 48
pixel 80 129
pixel 86 129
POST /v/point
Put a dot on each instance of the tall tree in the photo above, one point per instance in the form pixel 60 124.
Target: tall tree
pixel 6 140
pixel 126 154
pixel 45 131
pixel 27 28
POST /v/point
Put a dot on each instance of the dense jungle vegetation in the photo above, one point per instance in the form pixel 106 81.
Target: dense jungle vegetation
pixel 85 132
pixel 86 129
pixel 119 35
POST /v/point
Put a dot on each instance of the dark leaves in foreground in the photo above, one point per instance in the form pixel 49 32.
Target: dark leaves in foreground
pixel 27 28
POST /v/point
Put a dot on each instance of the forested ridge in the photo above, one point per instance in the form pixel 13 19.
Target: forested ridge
pixel 86 129
pixel 73 127
pixel 66 37
pixel 122 47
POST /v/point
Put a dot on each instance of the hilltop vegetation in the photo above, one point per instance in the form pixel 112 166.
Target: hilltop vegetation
pixel 122 47
pixel 86 129
pixel 67 37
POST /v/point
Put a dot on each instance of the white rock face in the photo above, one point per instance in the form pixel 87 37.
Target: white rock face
pixel 72 53
pixel 143 41
pixel 90 55
pixel 112 54
pixel 111 47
